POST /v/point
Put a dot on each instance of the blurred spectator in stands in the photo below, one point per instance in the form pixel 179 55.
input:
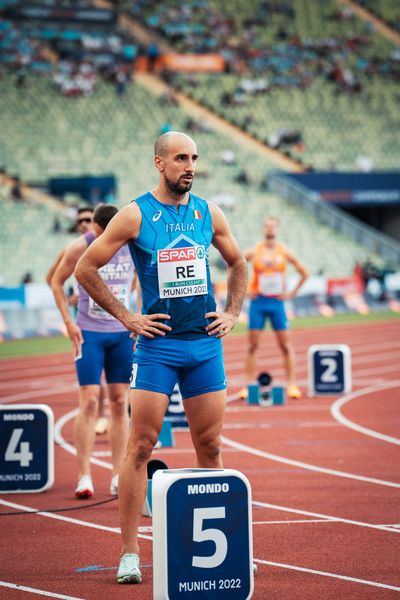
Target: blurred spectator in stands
pixel 369 270
pixel 56 227
pixel 169 97
pixel 282 137
pixel 242 177
pixel 228 157
pixel 95 196
pixel 165 127
pixel 121 80
pixel 226 201
pixel 111 197
pixel 27 278
pixel 16 191
pixel 198 126
pixel 364 163
pixel 153 52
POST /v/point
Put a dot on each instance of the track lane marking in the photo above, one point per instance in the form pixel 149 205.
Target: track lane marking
pixel 326 574
pixel 59 517
pixel 306 466
pixel 330 518
pixel 258 560
pixel 346 422
pixel 31 590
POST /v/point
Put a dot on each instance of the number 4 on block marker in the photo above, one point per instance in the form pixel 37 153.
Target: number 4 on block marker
pixel 24 456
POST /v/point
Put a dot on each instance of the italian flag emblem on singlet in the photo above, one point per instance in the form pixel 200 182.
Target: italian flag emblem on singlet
pixel 197 214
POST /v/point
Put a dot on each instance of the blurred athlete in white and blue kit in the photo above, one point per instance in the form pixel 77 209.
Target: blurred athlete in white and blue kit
pixel 169 232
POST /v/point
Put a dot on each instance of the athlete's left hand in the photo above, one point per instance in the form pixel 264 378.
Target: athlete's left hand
pixel 222 324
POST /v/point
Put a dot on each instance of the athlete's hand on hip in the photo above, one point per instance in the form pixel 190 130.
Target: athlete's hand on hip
pixel 75 335
pixel 285 296
pixel 148 325
pixel 222 324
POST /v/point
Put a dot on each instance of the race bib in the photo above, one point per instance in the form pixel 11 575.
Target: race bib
pixel 121 292
pixel 271 284
pixel 182 272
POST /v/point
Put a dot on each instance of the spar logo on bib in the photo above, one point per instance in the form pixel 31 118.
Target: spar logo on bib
pixel 177 254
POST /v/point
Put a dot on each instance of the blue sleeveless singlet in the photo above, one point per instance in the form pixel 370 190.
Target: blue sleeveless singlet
pixel 171 259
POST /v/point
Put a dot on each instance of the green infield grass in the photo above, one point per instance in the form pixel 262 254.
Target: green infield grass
pixel 37 346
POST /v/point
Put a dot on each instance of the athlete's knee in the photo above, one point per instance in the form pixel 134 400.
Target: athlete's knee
pixel 140 448
pixel 89 405
pixel 118 405
pixel 209 444
pixel 286 347
pixel 253 346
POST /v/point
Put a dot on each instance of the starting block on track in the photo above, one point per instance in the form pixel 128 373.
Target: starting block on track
pixel 166 437
pixel 263 394
pixel 329 369
pixel 175 411
pixel 26 448
pixel 152 467
pixel 202 534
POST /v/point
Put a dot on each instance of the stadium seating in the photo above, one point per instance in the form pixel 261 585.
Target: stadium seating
pixel 297 49
pixel 46 134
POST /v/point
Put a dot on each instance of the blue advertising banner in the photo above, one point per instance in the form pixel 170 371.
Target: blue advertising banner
pixel 379 188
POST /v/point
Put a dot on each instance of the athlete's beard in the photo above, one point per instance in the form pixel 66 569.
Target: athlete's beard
pixel 177 187
pixel 270 237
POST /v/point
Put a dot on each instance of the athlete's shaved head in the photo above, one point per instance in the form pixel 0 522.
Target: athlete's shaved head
pixel 175 159
pixel 167 140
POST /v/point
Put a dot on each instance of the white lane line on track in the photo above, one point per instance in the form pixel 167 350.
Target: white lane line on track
pixel 294 521
pixel 337 414
pixel 59 517
pixel 228 442
pixel 261 561
pixel 326 574
pixel 24 588
pixel 307 513
pixel 307 466
pixel 23 396
pixel 58 438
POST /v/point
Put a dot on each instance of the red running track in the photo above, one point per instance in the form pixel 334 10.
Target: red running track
pixel 324 472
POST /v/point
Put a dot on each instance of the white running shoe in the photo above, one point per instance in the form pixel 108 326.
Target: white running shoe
pixel 101 425
pixel 129 569
pixel 85 488
pixel 114 485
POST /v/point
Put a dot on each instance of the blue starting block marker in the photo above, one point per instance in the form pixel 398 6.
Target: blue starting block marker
pixel 253 393
pixel 202 534
pixel 175 411
pixel 26 448
pixel 329 369
pixel 166 437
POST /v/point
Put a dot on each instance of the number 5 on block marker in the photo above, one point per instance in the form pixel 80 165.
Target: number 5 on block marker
pixel 202 534
pixel 26 448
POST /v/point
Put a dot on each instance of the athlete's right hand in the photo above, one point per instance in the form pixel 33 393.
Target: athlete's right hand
pixel 75 335
pixel 147 325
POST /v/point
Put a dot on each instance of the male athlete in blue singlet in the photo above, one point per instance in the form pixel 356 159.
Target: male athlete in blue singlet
pixel 100 342
pixel 169 232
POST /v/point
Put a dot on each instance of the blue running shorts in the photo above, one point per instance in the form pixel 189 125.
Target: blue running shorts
pixel 197 365
pixel 262 308
pixel 111 351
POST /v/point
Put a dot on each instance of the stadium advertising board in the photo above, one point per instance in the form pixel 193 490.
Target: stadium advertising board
pixel 207 63
pixel 362 189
